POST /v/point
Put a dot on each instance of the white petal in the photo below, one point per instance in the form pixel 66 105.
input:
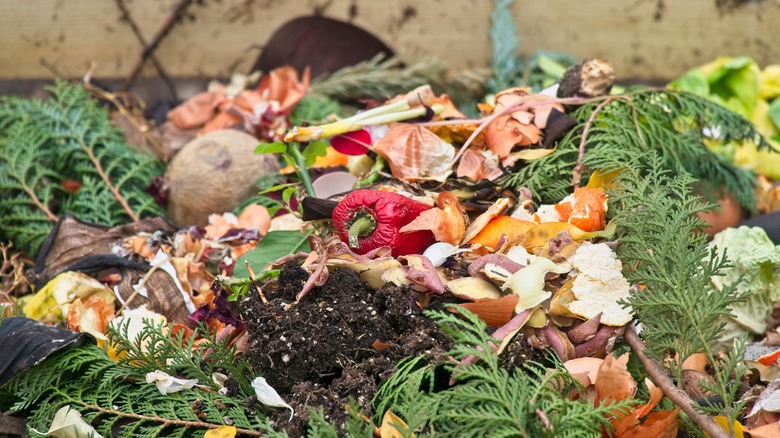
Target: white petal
pixel 268 396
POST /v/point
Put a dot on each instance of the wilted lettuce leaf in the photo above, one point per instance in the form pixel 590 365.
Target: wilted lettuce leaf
pixel 756 269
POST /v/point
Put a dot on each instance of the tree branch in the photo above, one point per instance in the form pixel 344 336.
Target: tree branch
pixel 151 46
pixel 675 394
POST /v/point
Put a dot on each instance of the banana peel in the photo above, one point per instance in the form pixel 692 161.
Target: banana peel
pixel 52 302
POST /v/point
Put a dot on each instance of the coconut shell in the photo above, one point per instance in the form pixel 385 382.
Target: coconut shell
pixel 212 174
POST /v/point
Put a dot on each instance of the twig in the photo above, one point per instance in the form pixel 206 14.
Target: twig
pixel 675 394
pixel 165 421
pixel 577 172
pixel 106 179
pixel 151 46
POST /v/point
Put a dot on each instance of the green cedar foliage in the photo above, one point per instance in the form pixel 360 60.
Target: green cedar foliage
pixel 673 124
pixel 662 248
pixel 113 395
pixel 487 400
pixel 69 137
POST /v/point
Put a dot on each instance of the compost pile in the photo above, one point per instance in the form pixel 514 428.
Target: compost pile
pixel 549 266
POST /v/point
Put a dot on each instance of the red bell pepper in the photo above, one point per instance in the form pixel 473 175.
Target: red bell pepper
pixel 369 219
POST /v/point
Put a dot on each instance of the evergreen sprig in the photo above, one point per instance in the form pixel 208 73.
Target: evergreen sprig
pixel 44 145
pixel 675 125
pixel 486 399
pixel 155 348
pixel 663 249
pixel 114 394
pixel 507 66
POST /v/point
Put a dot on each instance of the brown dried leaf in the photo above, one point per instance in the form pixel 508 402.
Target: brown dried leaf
pixel 197 110
pixel 661 424
pixel 283 86
pixel 475 165
pixel 521 127
pixel 613 381
pixel 415 153
pixel 91 315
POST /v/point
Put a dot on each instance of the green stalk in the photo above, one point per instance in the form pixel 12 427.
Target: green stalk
pixel 394 112
pixel 300 168
pixel 363 225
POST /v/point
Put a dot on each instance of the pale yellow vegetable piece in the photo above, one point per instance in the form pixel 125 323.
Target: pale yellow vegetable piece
pixel 473 288
pixel 528 283
pixel 394 427
pixel 51 302
pixel 221 432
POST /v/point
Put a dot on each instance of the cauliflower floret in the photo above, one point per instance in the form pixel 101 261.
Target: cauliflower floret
pixel 599 285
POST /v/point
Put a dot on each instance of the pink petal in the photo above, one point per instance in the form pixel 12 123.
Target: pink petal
pixel 352 143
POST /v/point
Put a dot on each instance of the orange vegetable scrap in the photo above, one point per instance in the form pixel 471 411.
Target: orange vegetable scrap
pixel 501 226
pixel 586 209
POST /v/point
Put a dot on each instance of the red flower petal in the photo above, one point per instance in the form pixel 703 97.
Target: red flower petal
pixel 352 143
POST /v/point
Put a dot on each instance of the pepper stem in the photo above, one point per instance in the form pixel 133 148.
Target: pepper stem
pixel 363 225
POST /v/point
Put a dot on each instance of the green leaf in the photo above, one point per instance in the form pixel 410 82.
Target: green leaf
pixel 287 194
pixel 694 81
pixel 275 188
pixel 277 147
pixel 313 150
pixel 274 245
pixel 774 113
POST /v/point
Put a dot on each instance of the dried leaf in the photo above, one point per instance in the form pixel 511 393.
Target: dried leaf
pixel 584 365
pixel 394 427
pixel 415 153
pixel 531 154
pixel 766 431
pixel 282 85
pixel 447 222
pixel 613 381
pixel 474 164
pixel 660 424
pixel 91 315
pixel 197 110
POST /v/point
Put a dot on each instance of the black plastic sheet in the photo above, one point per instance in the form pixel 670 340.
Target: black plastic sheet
pixel 24 343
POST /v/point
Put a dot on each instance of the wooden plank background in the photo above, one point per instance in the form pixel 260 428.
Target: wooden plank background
pixel 645 39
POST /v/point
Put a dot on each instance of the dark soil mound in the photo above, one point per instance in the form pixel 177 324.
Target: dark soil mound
pixel 338 343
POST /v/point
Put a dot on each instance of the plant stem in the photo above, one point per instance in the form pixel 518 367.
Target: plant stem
pixel 577 172
pixel 165 421
pixel 675 394
pixel 364 225
pixel 300 168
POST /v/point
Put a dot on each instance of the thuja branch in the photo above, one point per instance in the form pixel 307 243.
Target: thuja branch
pixel 672 392
pixel 577 172
pixel 164 421
pixel 102 173
pixel 104 176
pixel 31 193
